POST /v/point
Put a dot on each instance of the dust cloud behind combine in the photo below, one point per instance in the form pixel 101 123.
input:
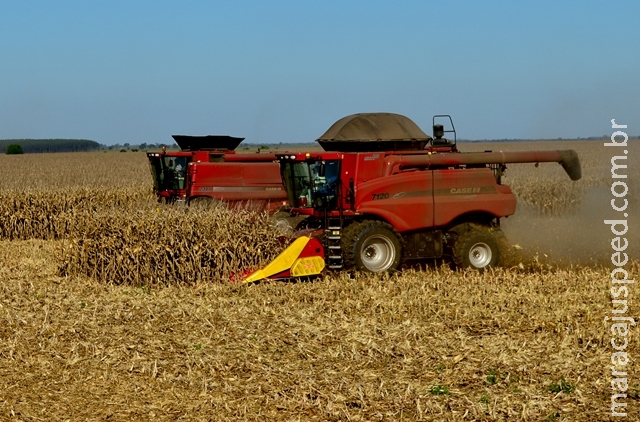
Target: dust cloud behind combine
pixel 560 222
pixel 579 238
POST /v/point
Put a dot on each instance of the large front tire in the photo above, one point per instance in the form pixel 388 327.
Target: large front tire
pixel 372 246
pixel 477 248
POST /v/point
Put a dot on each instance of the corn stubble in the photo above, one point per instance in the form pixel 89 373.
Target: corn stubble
pixel 434 345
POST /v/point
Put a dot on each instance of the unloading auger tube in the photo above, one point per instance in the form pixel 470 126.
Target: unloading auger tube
pixel 568 159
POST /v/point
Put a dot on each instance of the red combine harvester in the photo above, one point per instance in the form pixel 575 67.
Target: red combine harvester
pixel 384 192
pixel 207 169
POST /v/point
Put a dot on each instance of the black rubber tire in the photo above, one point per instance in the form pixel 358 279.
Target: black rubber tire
pixel 477 248
pixel 372 246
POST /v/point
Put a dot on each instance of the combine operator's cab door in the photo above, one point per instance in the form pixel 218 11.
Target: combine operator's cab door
pixel 313 184
pixel 168 173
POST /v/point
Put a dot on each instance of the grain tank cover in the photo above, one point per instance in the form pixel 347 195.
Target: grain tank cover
pixel 207 143
pixel 365 132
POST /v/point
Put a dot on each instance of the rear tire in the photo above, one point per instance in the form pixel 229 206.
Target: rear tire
pixel 372 246
pixel 477 248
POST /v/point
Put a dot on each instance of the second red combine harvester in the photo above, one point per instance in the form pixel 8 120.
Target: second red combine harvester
pixel 207 169
pixel 384 192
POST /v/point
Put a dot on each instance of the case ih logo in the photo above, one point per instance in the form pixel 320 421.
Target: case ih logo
pixel 464 191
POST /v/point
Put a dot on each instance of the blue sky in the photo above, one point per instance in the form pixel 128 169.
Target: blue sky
pixel 284 71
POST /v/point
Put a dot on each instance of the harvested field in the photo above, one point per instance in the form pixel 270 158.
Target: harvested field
pixel 527 342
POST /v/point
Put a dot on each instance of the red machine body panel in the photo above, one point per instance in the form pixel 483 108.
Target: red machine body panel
pixel 405 199
pixel 419 190
pixel 459 192
pixel 417 198
pixel 238 183
pixel 240 180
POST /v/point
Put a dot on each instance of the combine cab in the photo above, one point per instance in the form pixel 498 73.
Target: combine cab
pixel 208 170
pixel 373 207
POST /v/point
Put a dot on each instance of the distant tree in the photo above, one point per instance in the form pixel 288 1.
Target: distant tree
pixel 127 145
pixel 143 146
pixel 14 149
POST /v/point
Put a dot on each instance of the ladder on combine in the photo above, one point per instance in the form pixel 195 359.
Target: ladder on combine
pixel 333 235
pixel 333 240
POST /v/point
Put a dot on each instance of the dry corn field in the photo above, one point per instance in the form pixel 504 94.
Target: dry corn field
pixel 113 307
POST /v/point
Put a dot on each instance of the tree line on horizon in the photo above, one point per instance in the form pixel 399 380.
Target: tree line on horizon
pixel 48 145
pixel 20 146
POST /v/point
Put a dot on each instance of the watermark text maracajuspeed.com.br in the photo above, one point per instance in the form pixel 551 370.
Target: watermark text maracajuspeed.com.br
pixel 619 321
